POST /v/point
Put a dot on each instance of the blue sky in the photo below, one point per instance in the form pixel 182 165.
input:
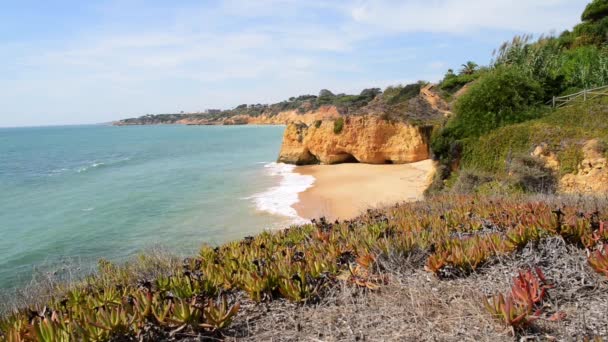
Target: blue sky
pixel 72 62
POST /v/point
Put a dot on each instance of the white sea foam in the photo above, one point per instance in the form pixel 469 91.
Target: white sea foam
pixel 57 171
pixel 279 199
pixel 102 164
pixel 92 166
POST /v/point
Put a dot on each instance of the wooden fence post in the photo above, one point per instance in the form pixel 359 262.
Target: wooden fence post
pixel 553 102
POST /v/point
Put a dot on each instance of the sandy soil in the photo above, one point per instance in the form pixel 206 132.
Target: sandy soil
pixel 343 191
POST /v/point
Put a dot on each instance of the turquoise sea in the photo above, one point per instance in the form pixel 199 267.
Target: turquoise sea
pixel 73 194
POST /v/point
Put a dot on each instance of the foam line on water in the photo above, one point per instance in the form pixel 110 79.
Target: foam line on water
pixel 279 199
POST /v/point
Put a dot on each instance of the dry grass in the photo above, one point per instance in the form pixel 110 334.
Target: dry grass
pixel 417 306
pixel 44 285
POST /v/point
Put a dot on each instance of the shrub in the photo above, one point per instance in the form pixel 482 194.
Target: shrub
pixel 338 125
pixel 570 158
pixel 492 152
pixel 318 123
pixel 325 97
pixel 596 10
pixel 398 94
pixel 497 187
pixel 561 130
pixel 585 67
pixel 452 83
pixel 531 175
pixel 470 180
pixel 503 96
pixel 445 145
pixel 441 172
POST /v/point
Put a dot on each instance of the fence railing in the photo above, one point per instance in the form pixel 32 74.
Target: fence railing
pixel 584 95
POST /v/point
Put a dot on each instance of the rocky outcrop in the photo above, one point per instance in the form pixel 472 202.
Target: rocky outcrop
pixel 592 175
pixel 548 157
pixel 429 94
pixel 365 139
pixel 281 118
pixel 291 116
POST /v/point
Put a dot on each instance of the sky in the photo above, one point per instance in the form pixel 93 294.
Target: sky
pixel 94 61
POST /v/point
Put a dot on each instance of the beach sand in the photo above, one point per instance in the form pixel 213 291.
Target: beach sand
pixel 345 190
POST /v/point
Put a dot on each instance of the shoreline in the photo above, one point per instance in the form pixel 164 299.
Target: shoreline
pixel 343 191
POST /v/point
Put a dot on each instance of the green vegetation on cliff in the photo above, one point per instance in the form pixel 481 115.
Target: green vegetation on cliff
pixel 303 103
pixel 504 113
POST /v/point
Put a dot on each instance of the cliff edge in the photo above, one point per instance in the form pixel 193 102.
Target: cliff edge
pixel 364 139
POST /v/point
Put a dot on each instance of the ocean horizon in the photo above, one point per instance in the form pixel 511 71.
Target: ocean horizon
pixel 74 194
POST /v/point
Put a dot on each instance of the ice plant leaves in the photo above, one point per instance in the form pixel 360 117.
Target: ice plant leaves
pixel 454 236
pixel 524 303
pixel 598 260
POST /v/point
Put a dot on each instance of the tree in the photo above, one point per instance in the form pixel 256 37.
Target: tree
pixel 326 93
pixel 469 68
pixel 595 11
pixel 325 97
pixel 370 93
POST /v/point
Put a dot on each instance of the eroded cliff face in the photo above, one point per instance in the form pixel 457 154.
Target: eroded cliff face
pixel 590 178
pixel 592 175
pixel 282 118
pixel 365 139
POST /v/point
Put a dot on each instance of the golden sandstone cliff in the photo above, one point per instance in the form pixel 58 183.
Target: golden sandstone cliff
pixel 592 174
pixel 591 177
pixel 282 118
pixel 365 139
pixel 371 137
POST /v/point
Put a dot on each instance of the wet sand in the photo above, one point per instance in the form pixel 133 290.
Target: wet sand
pixel 345 190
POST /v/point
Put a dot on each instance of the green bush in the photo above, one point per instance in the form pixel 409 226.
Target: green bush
pixel 585 67
pixel 398 94
pixel 562 131
pixel 501 97
pixel 318 123
pixel 498 187
pixel 445 145
pixel 570 158
pixel 596 10
pixel 325 97
pixel 589 33
pixel 451 83
pixel 469 181
pixel 338 125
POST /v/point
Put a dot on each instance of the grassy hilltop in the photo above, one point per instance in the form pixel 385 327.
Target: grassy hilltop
pixel 493 253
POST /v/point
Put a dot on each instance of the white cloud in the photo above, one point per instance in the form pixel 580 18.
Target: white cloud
pixel 449 16
pixel 248 51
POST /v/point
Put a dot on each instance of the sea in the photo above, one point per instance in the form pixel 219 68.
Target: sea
pixel 71 195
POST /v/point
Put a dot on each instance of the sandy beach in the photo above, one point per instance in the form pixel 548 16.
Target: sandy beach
pixel 343 191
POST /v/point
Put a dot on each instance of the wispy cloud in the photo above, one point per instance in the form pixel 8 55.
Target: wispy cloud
pixel 134 57
pixel 465 16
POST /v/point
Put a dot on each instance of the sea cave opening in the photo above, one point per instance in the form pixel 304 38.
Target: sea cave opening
pixel 347 158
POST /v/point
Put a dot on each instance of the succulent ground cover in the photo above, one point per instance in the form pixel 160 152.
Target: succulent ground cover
pixel 467 266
